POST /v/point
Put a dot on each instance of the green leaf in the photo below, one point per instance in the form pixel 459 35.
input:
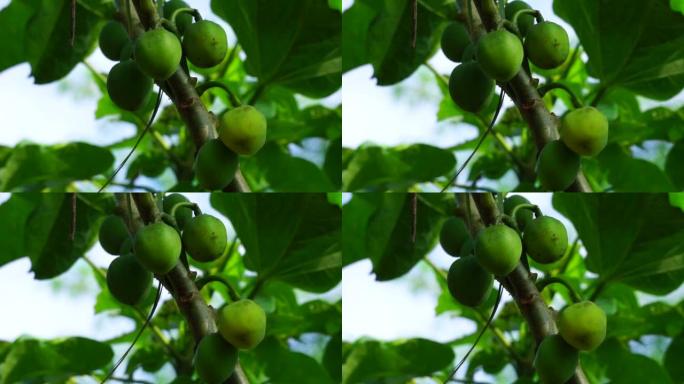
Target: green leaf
pixel 13 21
pixel 627 174
pixel 673 358
pixel 625 367
pixel 283 366
pixel 673 164
pixel 15 213
pixel 313 316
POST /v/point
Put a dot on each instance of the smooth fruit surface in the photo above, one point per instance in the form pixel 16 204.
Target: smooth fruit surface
pixel 524 21
pixel 498 249
pixel 547 45
pixel 555 360
pixel 157 247
pixel 243 130
pixel 215 165
pixel 205 43
pixel 585 131
pixel 182 214
pixel 453 235
pixel 215 359
pixel 583 325
pixel 128 86
pixel 469 87
pixel 468 282
pixel 455 39
pixel 127 280
pixel 158 53
pixel 469 53
pixel 112 234
pixel 205 238
pixel 113 37
pixel 500 54
pixel 242 323
pixel 545 239
pixel 184 19
pixel 557 166
pixel 522 216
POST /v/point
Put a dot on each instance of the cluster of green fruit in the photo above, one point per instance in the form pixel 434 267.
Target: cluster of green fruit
pixel 496 251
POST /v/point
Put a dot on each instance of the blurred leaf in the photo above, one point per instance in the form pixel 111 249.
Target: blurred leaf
pixel 283 366
pixel 673 358
pixel 15 213
pixel 625 367
pixel 627 174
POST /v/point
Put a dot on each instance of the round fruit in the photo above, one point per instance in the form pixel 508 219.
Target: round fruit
pixel 522 216
pixel 500 54
pixel 205 238
pixel 127 280
pixel 453 235
pixel 243 130
pixel 157 247
pixel 455 39
pixel 215 165
pixel 469 53
pixel 158 53
pixel 242 323
pixel 126 246
pixel 205 43
pixel 557 166
pixel 498 249
pixel 585 131
pixel 126 51
pixel 468 247
pixel 524 21
pixel 468 282
pixel 182 214
pixel 113 37
pixel 128 86
pixel 113 233
pixel 470 88
pixel 555 360
pixel 184 19
pixel 583 325
pixel 547 45
pixel 215 359
pixel 545 239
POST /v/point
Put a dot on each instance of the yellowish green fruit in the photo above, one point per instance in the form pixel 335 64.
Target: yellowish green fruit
pixel 215 359
pixel 215 165
pixel 242 323
pixel 205 238
pixel 127 280
pixel 243 130
pixel 453 235
pixel 547 45
pixel 583 325
pixel 470 88
pixel 585 131
pixel 555 360
pixel 557 166
pixel 468 282
pixel 158 53
pixel 205 43
pixel 113 37
pixel 112 234
pixel 500 54
pixel 498 249
pixel 157 247
pixel 545 239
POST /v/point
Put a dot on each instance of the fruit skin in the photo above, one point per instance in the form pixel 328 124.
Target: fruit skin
pixel 127 51
pixel 215 359
pixel 545 239
pixel 157 247
pixel 215 165
pixel 158 53
pixel 498 249
pixel 205 43
pixel 243 130
pixel 468 247
pixel 524 21
pixel 127 280
pixel 455 39
pixel 500 54
pixel 557 166
pixel 555 360
pixel 184 19
pixel 469 53
pixel 453 235
pixel 205 238
pixel 126 246
pixel 547 45
pixel 468 282
pixel 469 87
pixel 113 37
pixel 585 131
pixel 583 325
pixel 523 216
pixel 183 214
pixel 242 323
pixel 128 86
pixel 112 234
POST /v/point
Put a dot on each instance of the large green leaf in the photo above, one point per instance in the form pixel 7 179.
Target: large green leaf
pixel 624 367
pixel 628 174
pixel 15 213
pixel 283 366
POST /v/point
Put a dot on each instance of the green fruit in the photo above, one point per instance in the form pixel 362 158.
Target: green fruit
pixel 522 216
pixel 468 247
pixel 468 282
pixel 127 51
pixel 126 246
pixel 498 249
pixel 547 45
pixel 243 130
pixel 215 359
pixel 205 44
pixel 113 37
pixel 112 234
pixel 158 53
pixel 455 39
pixel 557 166
pixel 182 214
pixel 500 54
pixel 524 21
pixel 242 323
pixel 157 247
pixel 583 325
pixel 470 88
pixel 127 280
pixel 184 19
pixel 128 86
pixel 469 53
pixel 585 131
pixel 453 235
pixel 205 238
pixel 545 239
pixel 215 165
pixel 555 360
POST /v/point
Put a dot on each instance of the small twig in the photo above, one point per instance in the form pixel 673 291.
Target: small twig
pixel 72 234
pixel 414 37
pixel 73 22
pixel 414 216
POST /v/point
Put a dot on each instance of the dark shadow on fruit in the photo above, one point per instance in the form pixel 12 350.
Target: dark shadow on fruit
pixel 128 86
pixel 113 38
pixel 112 234
pixel 468 282
pixel 455 39
pixel 555 360
pixel 215 165
pixel 215 359
pixel 470 88
pixel 127 280
pixel 453 235
pixel 557 166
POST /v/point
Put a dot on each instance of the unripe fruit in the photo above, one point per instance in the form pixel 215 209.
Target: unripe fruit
pixel 215 359
pixel 498 249
pixel 157 247
pixel 557 166
pixel 469 53
pixel 127 51
pixel 583 325
pixel 585 131
pixel 182 214
pixel 215 165
pixel 468 282
pixel 453 235
pixel 205 44
pixel 127 280
pixel 128 86
pixel 205 238
pixel 545 239
pixel 522 216
pixel 242 323
pixel 243 130
pixel 547 45
pixel 555 360
pixel 468 247
pixel 470 88
pixel 158 53
pixel 500 54
pixel 112 234
pixel 113 37
pixel 126 246
pixel 455 39
pixel 184 19
pixel 524 21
